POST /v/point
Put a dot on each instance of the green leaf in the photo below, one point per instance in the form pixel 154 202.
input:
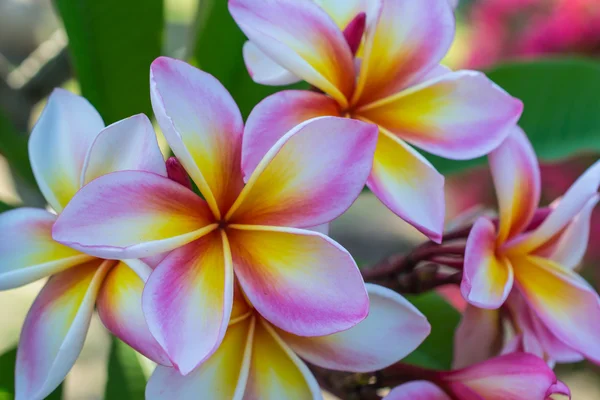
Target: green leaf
pixel 562 103
pixel 436 351
pixel 218 51
pixel 112 44
pixel 5 207
pixel 13 146
pixel 126 379
pixel 7 377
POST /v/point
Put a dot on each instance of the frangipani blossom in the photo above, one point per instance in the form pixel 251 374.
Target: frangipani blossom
pixel 69 147
pixel 536 256
pixel 510 377
pixel 376 61
pixel 299 280
pixel 259 361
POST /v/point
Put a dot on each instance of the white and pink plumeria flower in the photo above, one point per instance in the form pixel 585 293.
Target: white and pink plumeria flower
pixel 260 361
pixel 69 147
pixel 376 61
pixel 514 376
pixel 298 280
pixel 535 257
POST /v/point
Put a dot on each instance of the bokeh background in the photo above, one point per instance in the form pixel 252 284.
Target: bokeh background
pixel 37 54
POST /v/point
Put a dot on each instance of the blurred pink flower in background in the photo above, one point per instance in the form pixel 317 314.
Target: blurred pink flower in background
pixel 502 29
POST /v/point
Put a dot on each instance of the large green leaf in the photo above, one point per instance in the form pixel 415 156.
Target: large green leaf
pixel 436 351
pixel 7 377
pixel 13 146
pixel 126 379
pixel 218 51
pixel 112 44
pixel 562 107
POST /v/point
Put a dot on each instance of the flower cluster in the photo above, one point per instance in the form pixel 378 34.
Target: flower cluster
pixel 229 281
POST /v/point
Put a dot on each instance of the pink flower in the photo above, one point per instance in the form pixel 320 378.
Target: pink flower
pixel 259 361
pixel 69 147
pixel 511 377
pixel 536 256
pixel 297 279
pixel 378 62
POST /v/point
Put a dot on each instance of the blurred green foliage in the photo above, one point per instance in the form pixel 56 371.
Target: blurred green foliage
pixel 126 379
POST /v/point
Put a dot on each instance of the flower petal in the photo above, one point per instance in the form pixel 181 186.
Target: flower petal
pixel 399 46
pixel 276 372
pixel 487 276
pixel 459 115
pixel 302 38
pixel 275 116
pixel 27 251
pixel 222 377
pixel 478 337
pixel 417 390
pixel 571 204
pixel 301 281
pixel 572 244
pixel 516 176
pixel 506 377
pixel 129 144
pixel 263 70
pixel 120 308
pixel 59 143
pixel 132 214
pixel 311 176
pixel 344 11
pixel 372 344
pixel 188 300
pixel 55 329
pixel 203 126
pixel 408 185
pixel 563 301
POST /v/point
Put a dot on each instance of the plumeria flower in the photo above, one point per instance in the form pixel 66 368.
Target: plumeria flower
pixel 259 361
pixel 70 146
pixel 299 280
pixel 510 377
pixel 536 256
pixel 375 61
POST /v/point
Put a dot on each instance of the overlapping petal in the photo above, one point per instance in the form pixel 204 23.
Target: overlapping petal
pixel 408 185
pixel 300 281
pixel 374 343
pixel 275 116
pixel 417 390
pixel 302 38
pixel 396 54
pixel 203 126
pixel 311 176
pixel 188 300
pixel 263 70
pixel 458 115
pixel 516 176
pixel 478 337
pixel 129 144
pixel 276 372
pixel 27 251
pixel 572 244
pixel 569 206
pixel 55 329
pixel 506 377
pixel 132 214
pixel 488 277
pixel 563 301
pixel 59 144
pixel 222 377
pixel 119 305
